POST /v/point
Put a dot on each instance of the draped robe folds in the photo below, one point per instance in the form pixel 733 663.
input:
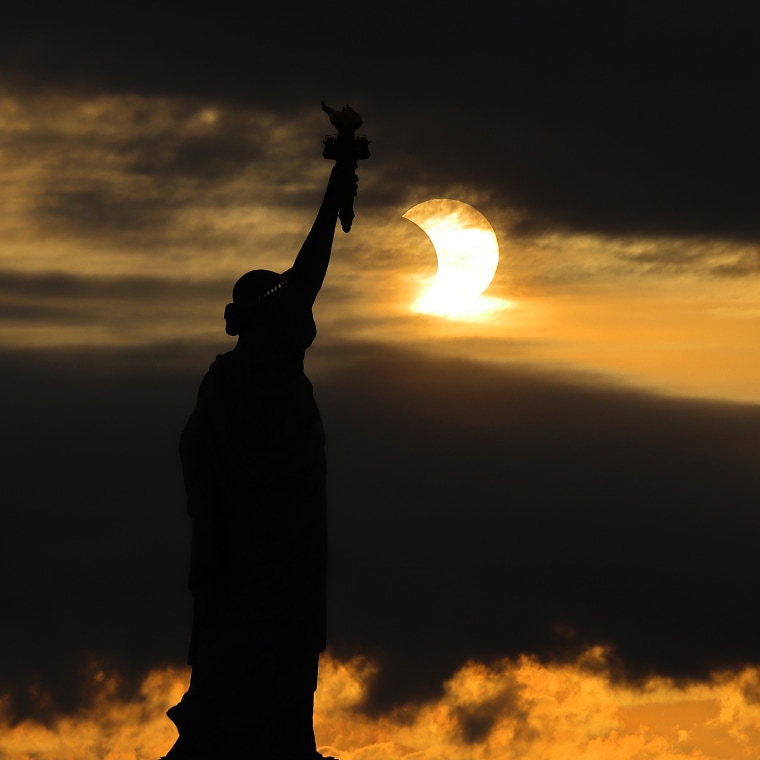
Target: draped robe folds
pixel 254 467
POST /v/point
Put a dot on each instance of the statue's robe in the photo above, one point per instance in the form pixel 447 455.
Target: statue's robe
pixel 254 467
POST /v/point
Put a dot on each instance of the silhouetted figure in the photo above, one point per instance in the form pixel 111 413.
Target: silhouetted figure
pixel 254 467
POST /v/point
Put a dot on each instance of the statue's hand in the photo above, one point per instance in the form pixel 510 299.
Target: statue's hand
pixel 344 120
pixel 343 180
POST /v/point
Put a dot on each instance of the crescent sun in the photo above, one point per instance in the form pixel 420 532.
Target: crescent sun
pixel 467 250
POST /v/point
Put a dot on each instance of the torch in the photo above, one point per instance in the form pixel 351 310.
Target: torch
pixel 346 148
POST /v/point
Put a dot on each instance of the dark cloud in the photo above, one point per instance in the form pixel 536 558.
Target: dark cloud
pixel 622 118
pixel 124 172
pixel 490 513
pixel 677 258
pixel 747 263
pixel 477 721
pixel 66 299
pixel 221 153
pixel 692 255
pixel 477 513
pixel 141 201
pixel 92 557
pixel 83 288
pixel 100 208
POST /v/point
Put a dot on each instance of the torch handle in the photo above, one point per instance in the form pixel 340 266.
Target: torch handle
pixel 346 149
pixel 348 167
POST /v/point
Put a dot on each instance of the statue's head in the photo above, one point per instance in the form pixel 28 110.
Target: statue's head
pixel 248 295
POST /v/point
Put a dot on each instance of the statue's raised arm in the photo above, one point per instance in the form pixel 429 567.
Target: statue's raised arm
pixel 310 265
pixel 345 148
pixel 257 291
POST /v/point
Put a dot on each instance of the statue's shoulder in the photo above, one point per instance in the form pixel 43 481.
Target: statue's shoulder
pixel 222 362
pixel 217 371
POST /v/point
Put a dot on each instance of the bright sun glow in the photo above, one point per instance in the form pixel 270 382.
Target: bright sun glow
pixel 468 254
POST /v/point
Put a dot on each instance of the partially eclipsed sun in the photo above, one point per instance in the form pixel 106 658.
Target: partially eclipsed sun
pixel 468 254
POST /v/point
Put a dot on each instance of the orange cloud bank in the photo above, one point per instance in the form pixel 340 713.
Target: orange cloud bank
pixel 519 709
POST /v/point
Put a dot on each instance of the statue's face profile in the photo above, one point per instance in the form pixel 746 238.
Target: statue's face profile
pixel 249 324
pixel 231 326
pixel 241 319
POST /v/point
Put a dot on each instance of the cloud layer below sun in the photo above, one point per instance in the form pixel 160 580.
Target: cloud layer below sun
pixel 126 220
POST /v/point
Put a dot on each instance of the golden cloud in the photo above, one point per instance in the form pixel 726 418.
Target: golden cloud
pixel 512 709
pixel 176 197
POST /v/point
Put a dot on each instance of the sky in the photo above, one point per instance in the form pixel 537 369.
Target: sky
pixel 544 517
